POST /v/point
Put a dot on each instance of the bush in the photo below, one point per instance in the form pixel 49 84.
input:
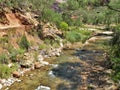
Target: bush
pixel 5 71
pixel 42 46
pixel 3 58
pixel 72 4
pixel 116 68
pixel 115 43
pixel 51 16
pixel 4 40
pixel 73 36
pixel 24 44
pixel 115 53
pixel 85 32
pixel 14 53
pixel 63 26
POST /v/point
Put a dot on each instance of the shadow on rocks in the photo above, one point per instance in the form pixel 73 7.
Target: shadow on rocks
pixel 71 72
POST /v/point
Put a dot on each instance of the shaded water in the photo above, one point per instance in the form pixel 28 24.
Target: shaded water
pixel 82 69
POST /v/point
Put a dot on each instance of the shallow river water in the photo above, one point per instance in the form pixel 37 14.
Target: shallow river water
pixel 84 68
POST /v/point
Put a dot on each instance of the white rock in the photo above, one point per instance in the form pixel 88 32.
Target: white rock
pixel 44 63
pixel 43 88
pixel 10 65
pixel 40 58
pixel 18 80
pixel 3 81
pixel 58 54
pixel 51 74
pixel 54 65
pixel 108 32
pixel 1 86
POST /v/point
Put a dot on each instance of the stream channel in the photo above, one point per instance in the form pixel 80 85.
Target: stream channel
pixel 80 68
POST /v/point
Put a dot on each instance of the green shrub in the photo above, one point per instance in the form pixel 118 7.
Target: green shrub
pixel 73 36
pixel 72 4
pixel 115 53
pixel 3 58
pixel 47 41
pixel 55 45
pixel 63 26
pixel 85 32
pixel 4 40
pixel 15 53
pixel 116 67
pixel 42 46
pixel 84 38
pixel 115 43
pixel 24 43
pixel 51 16
pixel 5 71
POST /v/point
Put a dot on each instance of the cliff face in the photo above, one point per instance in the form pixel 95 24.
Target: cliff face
pixel 14 25
pixel 14 28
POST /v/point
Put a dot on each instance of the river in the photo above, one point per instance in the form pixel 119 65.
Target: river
pixel 80 68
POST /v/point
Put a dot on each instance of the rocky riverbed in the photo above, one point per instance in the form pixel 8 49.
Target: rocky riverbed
pixel 79 68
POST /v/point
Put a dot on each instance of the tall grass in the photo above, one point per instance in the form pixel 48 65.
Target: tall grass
pixel 5 71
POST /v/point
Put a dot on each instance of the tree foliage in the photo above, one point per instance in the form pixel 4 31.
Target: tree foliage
pixel 24 44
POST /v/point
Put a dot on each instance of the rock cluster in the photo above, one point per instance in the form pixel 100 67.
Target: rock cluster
pixel 51 52
pixel 28 60
pixel 8 82
pixel 29 63
pixel 50 31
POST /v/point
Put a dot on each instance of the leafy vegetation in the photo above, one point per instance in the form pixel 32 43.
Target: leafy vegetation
pixel 3 58
pixel 24 43
pixel 16 54
pixel 72 36
pixel 115 53
pixel 5 71
pixel 63 26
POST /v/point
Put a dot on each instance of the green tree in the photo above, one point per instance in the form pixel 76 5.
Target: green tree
pixel 73 4
pixel 24 43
